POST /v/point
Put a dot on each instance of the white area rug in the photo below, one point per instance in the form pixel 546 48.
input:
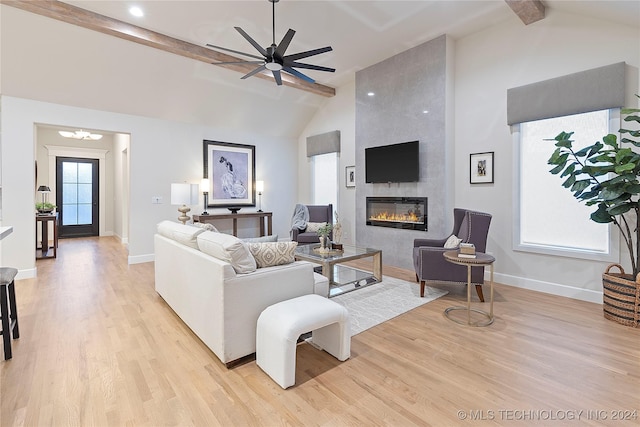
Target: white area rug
pixel 382 301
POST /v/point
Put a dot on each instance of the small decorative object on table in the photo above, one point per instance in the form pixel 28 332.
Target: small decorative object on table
pixel 323 234
pixel 337 231
pixel 467 250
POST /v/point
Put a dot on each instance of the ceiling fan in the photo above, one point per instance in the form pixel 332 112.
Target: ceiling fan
pixel 274 58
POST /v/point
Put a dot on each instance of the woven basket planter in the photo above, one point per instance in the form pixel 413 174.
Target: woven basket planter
pixel 621 297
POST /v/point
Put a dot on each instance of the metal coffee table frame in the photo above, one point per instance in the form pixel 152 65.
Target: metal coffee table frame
pixel 331 260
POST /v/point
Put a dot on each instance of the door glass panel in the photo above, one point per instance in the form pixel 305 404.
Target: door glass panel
pixel 84 214
pixel 84 173
pixel 69 214
pixel 69 194
pixel 77 203
pixel 84 193
pixel 69 172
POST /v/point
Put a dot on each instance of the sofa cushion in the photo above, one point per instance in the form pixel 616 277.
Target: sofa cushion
pixel 452 242
pixel 313 227
pixel 181 233
pixel 227 248
pixel 263 239
pixel 204 226
pixel 269 254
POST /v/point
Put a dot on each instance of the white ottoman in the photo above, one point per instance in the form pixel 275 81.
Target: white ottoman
pixel 280 325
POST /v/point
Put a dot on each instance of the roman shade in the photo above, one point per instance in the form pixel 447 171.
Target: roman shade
pixel 596 89
pixel 324 143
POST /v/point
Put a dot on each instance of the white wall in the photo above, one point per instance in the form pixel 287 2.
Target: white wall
pixel 487 64
pixel 161 152
pixel 337 113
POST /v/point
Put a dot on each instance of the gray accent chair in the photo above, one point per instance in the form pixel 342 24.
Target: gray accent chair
pixel 317 213
pixel 430 265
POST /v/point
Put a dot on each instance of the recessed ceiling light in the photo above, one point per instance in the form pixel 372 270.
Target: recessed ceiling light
pixel 136 11
pixel 425 111
pixel 371 94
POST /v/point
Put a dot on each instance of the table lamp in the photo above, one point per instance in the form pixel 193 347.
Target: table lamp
pixel 183 195
pixel 259 189
pixel 204 184
pixel 44 190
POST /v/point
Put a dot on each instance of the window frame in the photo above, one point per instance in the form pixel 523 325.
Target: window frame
pixel 613 251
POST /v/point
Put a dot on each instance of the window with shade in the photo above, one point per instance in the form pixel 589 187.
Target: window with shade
pixel 547 218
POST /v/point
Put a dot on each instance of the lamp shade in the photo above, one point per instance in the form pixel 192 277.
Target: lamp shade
pixel 259 186
pixel 204 185
pixel 184 194
pixel 44 189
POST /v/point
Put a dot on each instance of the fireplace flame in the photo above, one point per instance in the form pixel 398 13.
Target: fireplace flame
pixel 395 217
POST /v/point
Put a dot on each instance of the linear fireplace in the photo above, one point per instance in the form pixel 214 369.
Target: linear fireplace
pixel 409 213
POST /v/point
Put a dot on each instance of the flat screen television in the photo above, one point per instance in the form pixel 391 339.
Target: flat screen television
pixel 392 163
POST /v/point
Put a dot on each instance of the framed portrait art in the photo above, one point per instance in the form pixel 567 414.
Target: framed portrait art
pixel 350 176
pixel 481 168
pixel 231 170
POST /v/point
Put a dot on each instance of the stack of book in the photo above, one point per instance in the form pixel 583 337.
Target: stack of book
pixel 467 250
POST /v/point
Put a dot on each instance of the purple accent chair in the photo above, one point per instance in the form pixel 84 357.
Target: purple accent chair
pixel 431 266
pixel 317 213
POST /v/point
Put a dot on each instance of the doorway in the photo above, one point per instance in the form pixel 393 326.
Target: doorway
pixel 77 196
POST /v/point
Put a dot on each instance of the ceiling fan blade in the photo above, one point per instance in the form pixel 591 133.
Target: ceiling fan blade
pixel 235 51
pixel 298 74
pixel 309 66
pixel 277 76
pixel 284 43
pixel 256 71
pixel 252 41
pixel 306 54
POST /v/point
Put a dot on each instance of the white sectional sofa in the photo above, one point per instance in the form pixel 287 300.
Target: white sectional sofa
pixel 220 296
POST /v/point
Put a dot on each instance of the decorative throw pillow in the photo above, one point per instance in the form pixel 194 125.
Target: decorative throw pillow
pixel 313 227
pixel 452 242
pixel 227 248
pixel 180 233
pixel 204 226
pixel 273 253
pixel 263 239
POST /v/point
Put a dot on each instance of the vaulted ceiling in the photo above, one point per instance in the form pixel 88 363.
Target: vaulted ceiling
pixel 361 33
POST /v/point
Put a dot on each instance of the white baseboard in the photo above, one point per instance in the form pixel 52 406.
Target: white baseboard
pixel 139 259
pixel 547 287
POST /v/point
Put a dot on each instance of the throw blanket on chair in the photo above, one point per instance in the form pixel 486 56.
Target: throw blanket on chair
pixel 300 217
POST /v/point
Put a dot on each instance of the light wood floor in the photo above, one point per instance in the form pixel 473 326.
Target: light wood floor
pixel 99 347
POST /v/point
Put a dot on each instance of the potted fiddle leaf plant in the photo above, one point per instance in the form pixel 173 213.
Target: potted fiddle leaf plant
pixel 606 175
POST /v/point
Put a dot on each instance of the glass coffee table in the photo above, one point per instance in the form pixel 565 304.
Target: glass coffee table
pixel 342 278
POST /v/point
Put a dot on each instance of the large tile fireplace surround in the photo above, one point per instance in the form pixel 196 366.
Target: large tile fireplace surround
pixel 409 213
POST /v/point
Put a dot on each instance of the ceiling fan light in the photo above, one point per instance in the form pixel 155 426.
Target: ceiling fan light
pixel 273 66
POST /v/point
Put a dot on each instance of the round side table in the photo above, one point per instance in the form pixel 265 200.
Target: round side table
pixel 481 259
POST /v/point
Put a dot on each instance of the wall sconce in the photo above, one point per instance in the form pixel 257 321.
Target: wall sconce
pixel 259 189
pixel 205 190
pixel 44 190
pixel 184 194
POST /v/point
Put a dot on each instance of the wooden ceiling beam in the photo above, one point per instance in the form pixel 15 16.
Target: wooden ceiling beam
pixel 529 11
pixel 106 25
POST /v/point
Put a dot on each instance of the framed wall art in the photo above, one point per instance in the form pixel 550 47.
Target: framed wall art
pixel 350 176
pixel 481 168
pixel 231 170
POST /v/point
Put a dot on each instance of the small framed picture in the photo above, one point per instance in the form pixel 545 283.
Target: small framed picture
pixel 481 168
pixel 350 176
